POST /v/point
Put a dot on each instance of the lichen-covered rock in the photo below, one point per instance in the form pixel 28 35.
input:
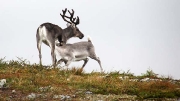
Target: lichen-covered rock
pixel 61 97
pixel 2 83
pixel 31 96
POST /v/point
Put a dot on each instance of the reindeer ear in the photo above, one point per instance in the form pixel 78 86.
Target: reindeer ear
pixel 68 24
pixel 73 25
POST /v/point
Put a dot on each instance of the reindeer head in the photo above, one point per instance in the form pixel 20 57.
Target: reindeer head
pixel 72 23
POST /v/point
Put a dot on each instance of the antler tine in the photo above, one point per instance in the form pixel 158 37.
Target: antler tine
pixel 77 21
pixel 63 16
pixel 72 14
pixel 64 11
pixel 74 19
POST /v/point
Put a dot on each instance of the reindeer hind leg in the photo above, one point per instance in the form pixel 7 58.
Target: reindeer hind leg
pixel 99 61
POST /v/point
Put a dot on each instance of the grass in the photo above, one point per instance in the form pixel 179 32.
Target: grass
pixel 27 78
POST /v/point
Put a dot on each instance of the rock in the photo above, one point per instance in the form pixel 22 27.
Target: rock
pixel 68 79
pixel 144 80
pixel 126 77
pixel 41 96
pixel 44 89
pixel 121 78
pixel 134 80
pixel 13 91
pixel 61 97
pixel 67 97
pixel 73 96
pixel 2 83
pixel 88 92
pixel 31 96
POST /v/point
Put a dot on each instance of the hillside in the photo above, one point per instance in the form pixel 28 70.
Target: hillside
pixel 20 80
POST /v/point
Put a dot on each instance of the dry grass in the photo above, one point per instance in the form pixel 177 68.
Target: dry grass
pixel 27 78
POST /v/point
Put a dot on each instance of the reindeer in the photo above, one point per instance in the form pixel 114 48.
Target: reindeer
pixel 76 52
pixel 48 33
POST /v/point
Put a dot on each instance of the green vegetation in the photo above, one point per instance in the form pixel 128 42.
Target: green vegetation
pixel 28 78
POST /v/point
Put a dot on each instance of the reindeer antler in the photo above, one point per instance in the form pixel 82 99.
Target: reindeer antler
pixel 63 16
pixel 72 20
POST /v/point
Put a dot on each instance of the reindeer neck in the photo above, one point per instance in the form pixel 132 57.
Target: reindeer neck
pixel 68 32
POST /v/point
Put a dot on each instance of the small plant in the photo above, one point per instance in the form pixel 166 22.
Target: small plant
pixel 128 73
pixel 114 73
pixel 150 73
pixel 2 62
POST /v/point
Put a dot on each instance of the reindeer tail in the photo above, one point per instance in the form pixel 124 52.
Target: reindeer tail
pixel 89 39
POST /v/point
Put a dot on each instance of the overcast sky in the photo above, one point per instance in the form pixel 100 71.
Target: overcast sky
pixel 127 34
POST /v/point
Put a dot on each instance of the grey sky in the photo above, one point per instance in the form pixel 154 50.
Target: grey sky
pixel 128 34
